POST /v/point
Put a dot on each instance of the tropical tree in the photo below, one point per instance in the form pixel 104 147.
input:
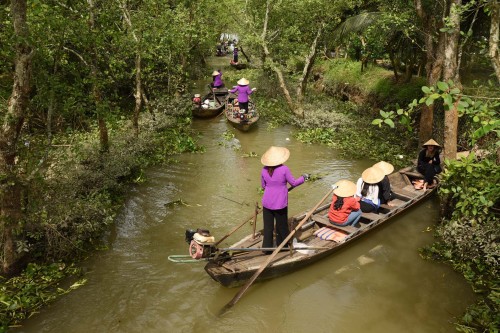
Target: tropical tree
pixel 12 124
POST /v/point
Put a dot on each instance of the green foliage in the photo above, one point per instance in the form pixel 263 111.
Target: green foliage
pixel 469 235
pixel 38 285
pixel 338 125
pixel 484 114
pixel 472 187
pixel 374 85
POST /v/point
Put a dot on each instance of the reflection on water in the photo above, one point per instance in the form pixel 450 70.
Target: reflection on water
pixel 379 284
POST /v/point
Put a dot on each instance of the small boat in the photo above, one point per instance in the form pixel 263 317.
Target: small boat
pixel 240 120
pixel 208 106
pixel 234 265
pixel 237 65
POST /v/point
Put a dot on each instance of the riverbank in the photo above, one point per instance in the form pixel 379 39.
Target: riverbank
pixel 77 197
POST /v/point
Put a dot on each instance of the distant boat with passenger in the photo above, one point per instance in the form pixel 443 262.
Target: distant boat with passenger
pixel 242 121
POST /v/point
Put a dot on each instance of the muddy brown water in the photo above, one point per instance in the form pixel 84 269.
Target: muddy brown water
pixel 378 284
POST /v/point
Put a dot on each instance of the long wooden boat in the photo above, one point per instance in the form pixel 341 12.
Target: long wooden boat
pixel 243 122
pixel 232 267
pixel 209 106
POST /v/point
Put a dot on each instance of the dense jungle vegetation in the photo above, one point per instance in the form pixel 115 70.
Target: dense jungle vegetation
pixel 92 92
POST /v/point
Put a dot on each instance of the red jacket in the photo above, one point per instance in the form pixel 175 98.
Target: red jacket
pixel 340 216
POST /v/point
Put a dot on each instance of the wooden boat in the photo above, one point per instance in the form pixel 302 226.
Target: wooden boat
pixel 238 65
pixel 234 267
pixel 209 106
pixel 243 122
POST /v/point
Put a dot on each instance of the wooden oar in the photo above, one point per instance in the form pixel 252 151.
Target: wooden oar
pixel 236 228
pixel 247 285
pixel 213 93
pixel 255 218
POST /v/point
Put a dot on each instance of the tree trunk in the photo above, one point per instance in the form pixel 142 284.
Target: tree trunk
pixel 309 62
pixel 96 92
pixel 138 70
pixel 275 67
pixel 434 65
pixel 395 67
pixel 451 73
pixel 10 200
pixel 493 52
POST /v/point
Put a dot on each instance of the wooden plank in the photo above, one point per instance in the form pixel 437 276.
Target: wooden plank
pixel 414 174
pixel 325 221
pixel 402 196
pixel 371 216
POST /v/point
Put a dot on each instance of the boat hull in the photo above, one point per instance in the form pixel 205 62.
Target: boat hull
pixel 232 114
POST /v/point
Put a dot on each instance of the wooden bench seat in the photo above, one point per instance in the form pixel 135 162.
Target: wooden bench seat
pixel 325 221
pixel 370 216
pixel 395 202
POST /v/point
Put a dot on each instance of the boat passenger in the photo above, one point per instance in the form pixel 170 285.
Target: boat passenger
pixel 429 163
pixel 217 79
pixel 274 179
pixel 243 91
pixel 344 209
pixel 367 189
pixel 197 99
pixel 384 186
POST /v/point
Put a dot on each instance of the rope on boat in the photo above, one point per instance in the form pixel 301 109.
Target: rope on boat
pixel 184 258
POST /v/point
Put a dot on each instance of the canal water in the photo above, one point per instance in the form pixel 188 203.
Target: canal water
pixel 378 284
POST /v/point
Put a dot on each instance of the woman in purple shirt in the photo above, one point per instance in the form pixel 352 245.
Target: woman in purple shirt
pixel 274 177
pixel 243 91
pixel 217 79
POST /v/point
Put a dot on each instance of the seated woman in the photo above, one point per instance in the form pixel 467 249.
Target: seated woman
pixel 429 163
pixel 367 189
pixel 344 209
pixel 384 186
pixel 217 79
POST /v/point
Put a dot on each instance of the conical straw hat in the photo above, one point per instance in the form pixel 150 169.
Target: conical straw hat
pixel 372 175
pixel 275 156
pixel 243 82
pixel 431 143
pixel 345 188
pixel 215 73
pixel 386 167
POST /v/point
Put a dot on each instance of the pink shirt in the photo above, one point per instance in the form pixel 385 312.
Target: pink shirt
pixel 275 187
pixel 243 92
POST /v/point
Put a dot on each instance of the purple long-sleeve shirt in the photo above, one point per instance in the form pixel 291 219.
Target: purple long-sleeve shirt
pixel 275 187
pixel 218 80
pixel 243 92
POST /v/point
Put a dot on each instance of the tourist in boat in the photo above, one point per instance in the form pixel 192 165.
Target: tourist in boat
pixel 274 179
pixel 243 91
pixel 384 186
pixel 367 189
pixel 429 163
pixel 217 79
pixel 344 209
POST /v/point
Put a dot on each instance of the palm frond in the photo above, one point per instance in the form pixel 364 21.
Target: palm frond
pixel 355 24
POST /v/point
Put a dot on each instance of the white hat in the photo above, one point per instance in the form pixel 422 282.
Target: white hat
pixel 345 188
pixel 215 73
pixel 196 95
pixel 431 143
pixel 275 156
pixel 386 167
pixel 243 82
pixel 372 175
